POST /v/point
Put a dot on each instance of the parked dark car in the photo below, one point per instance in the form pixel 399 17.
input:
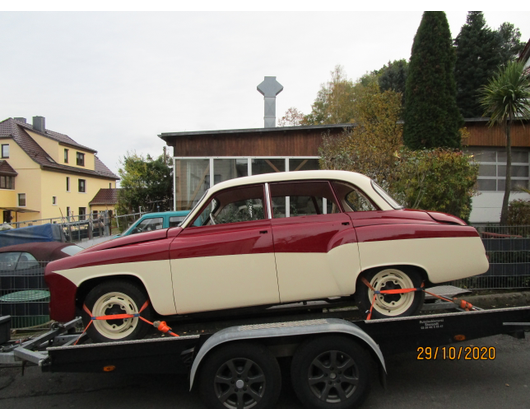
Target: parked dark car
pixel 22 266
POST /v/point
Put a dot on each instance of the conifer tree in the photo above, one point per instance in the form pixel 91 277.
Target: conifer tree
pixel 477 59
pixel 432 118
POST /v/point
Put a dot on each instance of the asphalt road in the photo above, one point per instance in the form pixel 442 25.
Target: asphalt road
pixel 411 384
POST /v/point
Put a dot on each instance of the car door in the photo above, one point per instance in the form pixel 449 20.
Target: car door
pixel 314 242
pixel 228 261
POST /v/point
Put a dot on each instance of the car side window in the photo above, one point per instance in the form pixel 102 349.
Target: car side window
pixel 291 199
pixel 234 205
pixel 8 260
pixel 149 224
pixel 175 220
pixel 17 261
pixel 26 261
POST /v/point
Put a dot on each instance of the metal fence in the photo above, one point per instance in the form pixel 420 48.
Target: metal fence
pixel 508 251
pixel 76 227
pixel 24 295
pixel 23 292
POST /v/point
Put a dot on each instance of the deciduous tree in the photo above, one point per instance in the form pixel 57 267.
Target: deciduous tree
pixel 146 183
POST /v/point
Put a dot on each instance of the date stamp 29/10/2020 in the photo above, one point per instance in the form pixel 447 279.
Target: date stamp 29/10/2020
pixel 456 353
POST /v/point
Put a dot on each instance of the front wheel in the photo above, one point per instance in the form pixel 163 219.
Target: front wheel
pixel 240 375
pixel 116 298
pixel 390 305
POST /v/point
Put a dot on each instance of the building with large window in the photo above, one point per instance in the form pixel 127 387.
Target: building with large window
pixel 45 174
pixel 204 158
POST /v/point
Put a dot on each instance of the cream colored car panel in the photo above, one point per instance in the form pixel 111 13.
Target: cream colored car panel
pixel 316 275
pixel 155 275
pixel 221 282
pixel 444 259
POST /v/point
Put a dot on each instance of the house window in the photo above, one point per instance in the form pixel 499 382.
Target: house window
pixel 492 169
pixel 5 151
pixel 7 182
pixel 65 155
pixel 68 213
pixel 22 200
pixel 82 185
pixel 82 213
pixel 54 200
pixel 68 184
pixel 80 159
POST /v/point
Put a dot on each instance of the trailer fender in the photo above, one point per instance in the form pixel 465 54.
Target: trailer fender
pixel 283 329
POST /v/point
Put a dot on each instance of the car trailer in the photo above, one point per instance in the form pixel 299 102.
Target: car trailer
pixel 332 353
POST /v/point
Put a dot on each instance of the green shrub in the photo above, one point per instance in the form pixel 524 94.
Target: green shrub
pixel 436 179
pixel 519 213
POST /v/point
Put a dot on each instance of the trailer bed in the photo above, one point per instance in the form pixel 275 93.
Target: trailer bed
pixel 204 343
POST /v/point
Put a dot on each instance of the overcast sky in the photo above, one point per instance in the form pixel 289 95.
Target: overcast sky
pixel 113 81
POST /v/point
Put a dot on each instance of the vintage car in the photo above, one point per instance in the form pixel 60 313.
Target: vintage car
pixel 266 240
pixel 155 221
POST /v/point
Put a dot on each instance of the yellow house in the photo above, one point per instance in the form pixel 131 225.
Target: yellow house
pixel 45 174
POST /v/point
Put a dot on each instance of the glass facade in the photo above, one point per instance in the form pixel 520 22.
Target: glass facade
pixel 492 169
pixel 193 176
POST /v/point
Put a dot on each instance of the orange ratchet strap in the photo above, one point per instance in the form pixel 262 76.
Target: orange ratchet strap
pixel 160 325
pixel 457 301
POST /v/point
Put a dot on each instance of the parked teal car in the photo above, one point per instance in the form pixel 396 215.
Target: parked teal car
pixel 155 221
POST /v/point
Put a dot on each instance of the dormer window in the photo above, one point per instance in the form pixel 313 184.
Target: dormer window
pixel 80 159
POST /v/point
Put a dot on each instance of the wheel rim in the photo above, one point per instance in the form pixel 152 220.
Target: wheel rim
pixel 240 383
pixel 333 377
pixel 115 303
pixel 395 304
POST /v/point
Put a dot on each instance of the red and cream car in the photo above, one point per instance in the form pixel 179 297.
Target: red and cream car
pixel 267 240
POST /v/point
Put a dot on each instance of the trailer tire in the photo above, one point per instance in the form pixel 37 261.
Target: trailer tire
pixel 389 306
pixel 240 375
pixel 112 298
pixel 330 372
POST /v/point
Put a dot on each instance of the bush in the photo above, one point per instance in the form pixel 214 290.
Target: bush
pixel 437 179
pixel 519 213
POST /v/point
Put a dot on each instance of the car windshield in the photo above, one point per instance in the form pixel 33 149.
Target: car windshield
pixel 199 201
pixel 385 196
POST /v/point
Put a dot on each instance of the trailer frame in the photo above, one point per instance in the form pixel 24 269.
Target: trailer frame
pixel 363 343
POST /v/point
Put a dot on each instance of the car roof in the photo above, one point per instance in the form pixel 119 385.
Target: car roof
pixel 166 213
pixel 352 177
pixel 42 251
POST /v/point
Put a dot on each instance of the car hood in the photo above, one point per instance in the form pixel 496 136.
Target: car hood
pixel 135 239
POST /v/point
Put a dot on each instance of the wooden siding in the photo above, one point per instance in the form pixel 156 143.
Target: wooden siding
pixel 305 141
pixel 278 142
pixel 482 135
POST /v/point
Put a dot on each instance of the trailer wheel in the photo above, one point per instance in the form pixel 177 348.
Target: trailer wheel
pixel 114 298
pixel 390 305
pixel 240 375
pixel 330 372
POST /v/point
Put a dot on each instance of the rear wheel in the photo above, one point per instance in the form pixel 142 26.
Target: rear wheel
pixel 390 305
pixel 116 298
pixel 330 372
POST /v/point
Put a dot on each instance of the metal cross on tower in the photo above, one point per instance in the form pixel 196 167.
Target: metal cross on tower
pixel 269 88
